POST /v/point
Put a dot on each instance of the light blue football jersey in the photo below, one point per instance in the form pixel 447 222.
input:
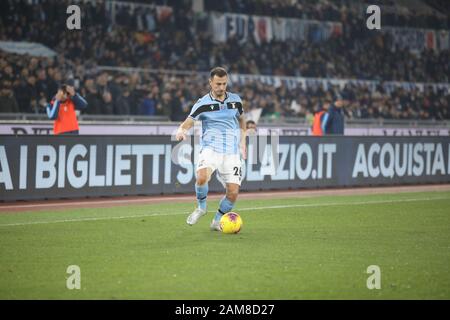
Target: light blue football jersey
pixel 220 122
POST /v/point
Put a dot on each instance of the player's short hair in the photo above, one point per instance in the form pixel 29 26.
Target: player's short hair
pixel 218 71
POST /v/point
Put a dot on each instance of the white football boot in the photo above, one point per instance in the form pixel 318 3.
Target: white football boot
pixel 215 225
pixel 195 216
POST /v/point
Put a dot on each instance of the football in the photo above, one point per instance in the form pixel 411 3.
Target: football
pixel 231 222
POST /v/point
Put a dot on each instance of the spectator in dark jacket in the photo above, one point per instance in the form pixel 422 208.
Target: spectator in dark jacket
pixel 8 102
pixel 333 121
pixel 93 98
pixel 122 105
pixel 26 93
pixel 42 85
pixel 166 105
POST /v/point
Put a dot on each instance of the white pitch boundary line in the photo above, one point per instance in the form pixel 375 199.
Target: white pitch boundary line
pixel 127 201
pixel 242 209
pixel 87 203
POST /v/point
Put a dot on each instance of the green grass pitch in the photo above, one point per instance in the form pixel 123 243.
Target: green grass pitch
pixel 308 248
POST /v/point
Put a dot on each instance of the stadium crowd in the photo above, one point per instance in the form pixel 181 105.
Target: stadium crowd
pixel 334 10
pixel 27 84
pixel 160 39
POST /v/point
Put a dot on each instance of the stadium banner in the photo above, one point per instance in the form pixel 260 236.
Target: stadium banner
pixel 264 29
pixel 313 83
pixel 35 167
pixel 418 40
pixel 142 12
pixel 301 129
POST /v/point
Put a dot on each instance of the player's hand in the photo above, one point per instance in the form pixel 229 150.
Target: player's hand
pixel 59 95
pixel 70 90
pixel 180 135
pixel 243 151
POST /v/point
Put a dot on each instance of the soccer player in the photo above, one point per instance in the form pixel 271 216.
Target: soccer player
pixel 62 110
pixel 222 144
pixel 318 126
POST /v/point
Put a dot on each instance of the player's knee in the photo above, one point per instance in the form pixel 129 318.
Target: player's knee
pixel 203 176
pixel 202 179
pixel 232 195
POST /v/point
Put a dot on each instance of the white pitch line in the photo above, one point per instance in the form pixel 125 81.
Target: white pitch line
pixel 86 203
pixel 90 219
pixel 344 203
pixel 127 201
pixel 242 209
pixel 76 203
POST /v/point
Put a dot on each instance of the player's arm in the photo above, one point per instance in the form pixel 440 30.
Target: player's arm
pixel 78 100
pixel 52 108
pixel 243 142
pixel 184 128
pixel 325 118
